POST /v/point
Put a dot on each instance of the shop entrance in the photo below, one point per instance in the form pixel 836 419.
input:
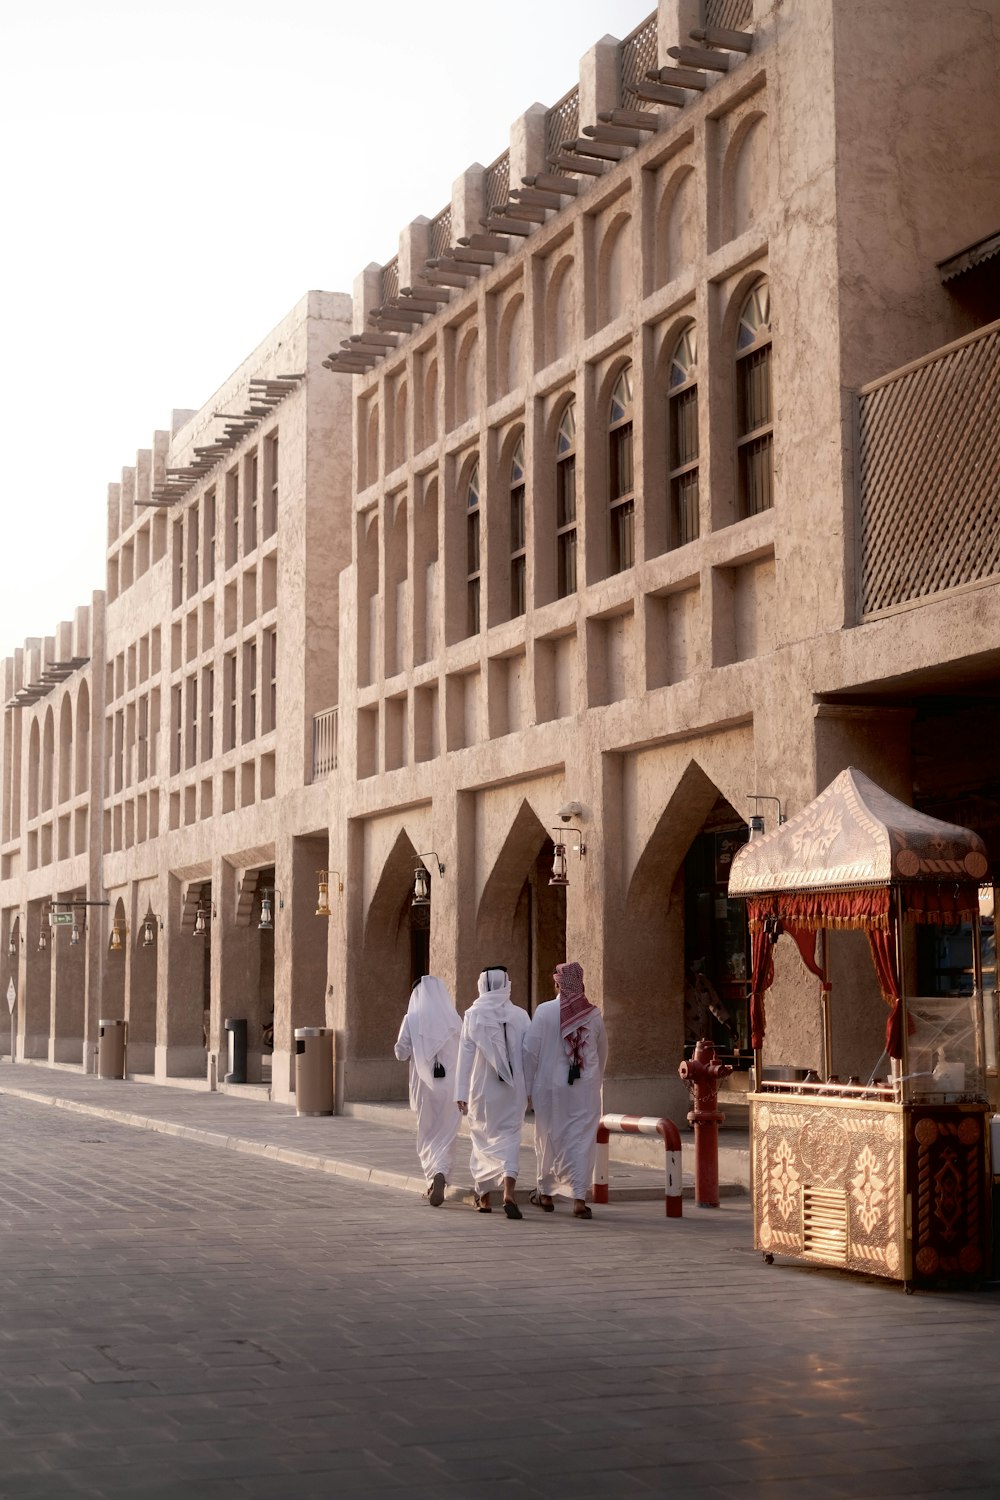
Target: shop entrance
pixel 716 941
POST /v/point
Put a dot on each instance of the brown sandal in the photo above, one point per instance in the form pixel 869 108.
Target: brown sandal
pixel 537 1198
pixel 481 1206
pixel 583 1213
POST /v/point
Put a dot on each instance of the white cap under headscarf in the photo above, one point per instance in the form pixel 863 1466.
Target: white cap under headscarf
pixel 433 1022
pixel 485 1017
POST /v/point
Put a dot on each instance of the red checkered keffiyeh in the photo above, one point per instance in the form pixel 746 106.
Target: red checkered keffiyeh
pixel 574 1010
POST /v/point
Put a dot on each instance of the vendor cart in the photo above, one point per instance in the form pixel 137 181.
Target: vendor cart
pixel 888 1173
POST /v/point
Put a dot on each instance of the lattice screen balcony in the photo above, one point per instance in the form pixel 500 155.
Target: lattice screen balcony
pixel 929 475
pixel 637 55
pixel 728 15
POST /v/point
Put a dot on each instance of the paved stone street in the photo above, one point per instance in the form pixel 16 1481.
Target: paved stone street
pixel 293 1333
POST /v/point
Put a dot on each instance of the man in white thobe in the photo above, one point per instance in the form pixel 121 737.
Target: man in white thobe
pixel 428 1040
pixel 490 1088
pixel 565 1054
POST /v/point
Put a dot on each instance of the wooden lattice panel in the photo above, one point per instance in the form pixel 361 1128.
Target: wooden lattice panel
pixel 439 234
pixel 496 184
pixel 637 56
pixel 729 15
pixel 562 123
pixel 389 290
pixel 929 475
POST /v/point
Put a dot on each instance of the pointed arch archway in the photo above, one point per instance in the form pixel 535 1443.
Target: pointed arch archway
pixel 521 919
pixel 113 988
pixel 394 953
pixel 670 908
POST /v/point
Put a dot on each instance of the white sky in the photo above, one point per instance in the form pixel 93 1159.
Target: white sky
pixel 176 173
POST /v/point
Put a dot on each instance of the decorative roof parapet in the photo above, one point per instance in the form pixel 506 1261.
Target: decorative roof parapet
pixel 621 94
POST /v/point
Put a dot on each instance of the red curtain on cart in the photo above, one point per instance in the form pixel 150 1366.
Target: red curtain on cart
pixel 803 913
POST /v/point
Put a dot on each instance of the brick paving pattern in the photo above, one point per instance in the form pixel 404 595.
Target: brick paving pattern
pixel 182 1320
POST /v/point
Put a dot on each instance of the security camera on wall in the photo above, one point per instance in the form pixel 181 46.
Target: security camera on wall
pixel 570 811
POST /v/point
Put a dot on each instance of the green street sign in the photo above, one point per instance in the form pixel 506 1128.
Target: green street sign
pixel 61 919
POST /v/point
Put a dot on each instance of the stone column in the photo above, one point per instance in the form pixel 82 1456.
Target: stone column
pixel 467 203
pixel 676 20
pixel 413 251
pixel 599 85
pixel 527 144
pixel 180 1046
pixel 35 994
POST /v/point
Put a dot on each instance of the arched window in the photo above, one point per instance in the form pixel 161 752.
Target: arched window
pixel 517 553
pixel 621 493
pixel 682 430
pixel 566 502
pixel 472 551
pixel 754 431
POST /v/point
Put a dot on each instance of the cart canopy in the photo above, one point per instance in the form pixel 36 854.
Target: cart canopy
pixel 854 834
pixel 835 864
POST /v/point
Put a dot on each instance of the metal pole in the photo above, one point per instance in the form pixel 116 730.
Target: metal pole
pixel 977 980
pixel 825 1005
pixel 903 1068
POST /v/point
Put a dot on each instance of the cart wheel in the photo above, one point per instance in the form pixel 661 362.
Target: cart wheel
pixel 768 1258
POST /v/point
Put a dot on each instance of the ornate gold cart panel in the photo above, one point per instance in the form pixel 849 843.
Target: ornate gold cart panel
pixel 886 1189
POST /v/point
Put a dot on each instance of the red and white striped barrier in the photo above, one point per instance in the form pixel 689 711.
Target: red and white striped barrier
pixel 641 1125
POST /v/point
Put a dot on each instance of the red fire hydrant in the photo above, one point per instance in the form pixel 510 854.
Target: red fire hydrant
pixel 702 1075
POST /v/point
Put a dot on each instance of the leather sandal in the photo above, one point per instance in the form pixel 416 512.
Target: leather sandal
pixel 537 1198
pixel 481 1207
pixel 511 1209
pixel 583 1213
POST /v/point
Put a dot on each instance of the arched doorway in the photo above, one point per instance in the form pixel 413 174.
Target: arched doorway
pixel 394 953
pixel 521 920
pixel 674 915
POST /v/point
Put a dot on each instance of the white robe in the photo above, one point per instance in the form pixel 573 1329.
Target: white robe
pixel 433 1102
pixel 496 1109
pixel 566 1115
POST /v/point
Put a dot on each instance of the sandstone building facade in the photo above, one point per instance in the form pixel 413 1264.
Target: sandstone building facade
pixel 657 473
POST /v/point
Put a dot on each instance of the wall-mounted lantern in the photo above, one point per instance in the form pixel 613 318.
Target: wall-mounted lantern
pixel 201 916
pixel 13 941
pixel 267 895
pixel 150 924
pixel 119 932
pixel 323 899
pixel 560 870
pixel 755 822
pixel 422 878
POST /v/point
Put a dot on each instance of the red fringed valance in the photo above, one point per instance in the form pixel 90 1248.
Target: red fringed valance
pixel 811 910
pixel 945 905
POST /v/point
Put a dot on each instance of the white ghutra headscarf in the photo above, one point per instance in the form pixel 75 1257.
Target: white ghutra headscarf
pixel 485 1021
pixel 433 1023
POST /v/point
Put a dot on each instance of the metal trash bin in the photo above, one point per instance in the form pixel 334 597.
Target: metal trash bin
pixel 236 1037
pixel 111 1049
pixel 314 1070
